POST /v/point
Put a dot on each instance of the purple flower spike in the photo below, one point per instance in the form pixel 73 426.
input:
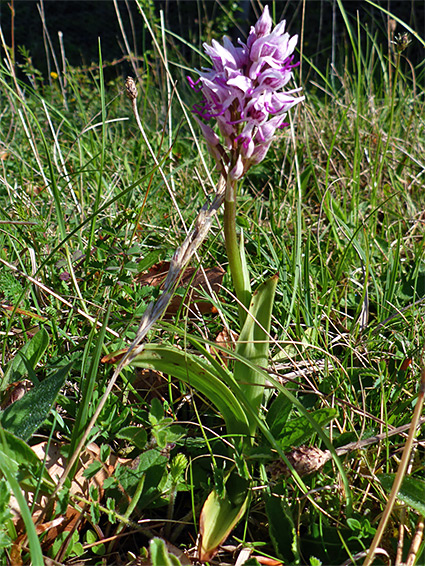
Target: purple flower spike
pixel 242 93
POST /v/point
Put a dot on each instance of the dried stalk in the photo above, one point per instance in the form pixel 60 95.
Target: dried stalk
pixel 178 263
pixel 155 310
pixel 416 542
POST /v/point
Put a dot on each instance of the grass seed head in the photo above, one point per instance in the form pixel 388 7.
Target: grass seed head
pixel 131 89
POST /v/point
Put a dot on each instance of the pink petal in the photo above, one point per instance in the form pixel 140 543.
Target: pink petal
pixel 264 24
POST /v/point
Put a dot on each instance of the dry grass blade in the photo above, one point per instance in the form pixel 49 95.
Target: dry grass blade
pixel 416 542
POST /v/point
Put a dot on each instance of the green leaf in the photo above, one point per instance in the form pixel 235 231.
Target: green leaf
pixel 28 356
pixel 150 471
pixel 198 374
pixel 354 524
pixel 92 469
pixel 135 434
pixel 282 530
pixel 26 415
pixel 412 491
pixel 297 430
pixel 99 549
pixel 278 414
pixel 159 554
pixel 105 452
pixel 178 467
pixel 253 344
pixel 74 547
pixel 218 518
pixel 5 512
pixel 156 413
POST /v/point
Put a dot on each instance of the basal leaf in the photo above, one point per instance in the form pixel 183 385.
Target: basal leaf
pixel 253 343
pixel 26 415
pixel 198 374
pixel 28 355
pixel 218 518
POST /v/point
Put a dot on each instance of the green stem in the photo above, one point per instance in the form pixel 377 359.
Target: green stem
pixel 233 251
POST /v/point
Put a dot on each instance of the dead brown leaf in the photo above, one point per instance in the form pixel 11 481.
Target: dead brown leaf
pixel 226 339
pixel 56 465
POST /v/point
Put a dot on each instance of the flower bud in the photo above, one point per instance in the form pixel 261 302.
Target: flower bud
pixel 264 24
pixel 237 171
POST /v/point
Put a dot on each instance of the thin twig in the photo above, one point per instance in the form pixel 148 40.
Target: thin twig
pixel 374 439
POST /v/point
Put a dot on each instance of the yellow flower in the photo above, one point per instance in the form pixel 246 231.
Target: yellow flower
pixel 54 75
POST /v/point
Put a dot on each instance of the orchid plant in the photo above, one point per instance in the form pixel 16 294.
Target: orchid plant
pixel 242 94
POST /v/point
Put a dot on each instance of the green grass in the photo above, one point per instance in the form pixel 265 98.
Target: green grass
pixel 336 210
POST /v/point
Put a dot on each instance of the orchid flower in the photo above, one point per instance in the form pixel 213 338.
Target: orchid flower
pixel 242 92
